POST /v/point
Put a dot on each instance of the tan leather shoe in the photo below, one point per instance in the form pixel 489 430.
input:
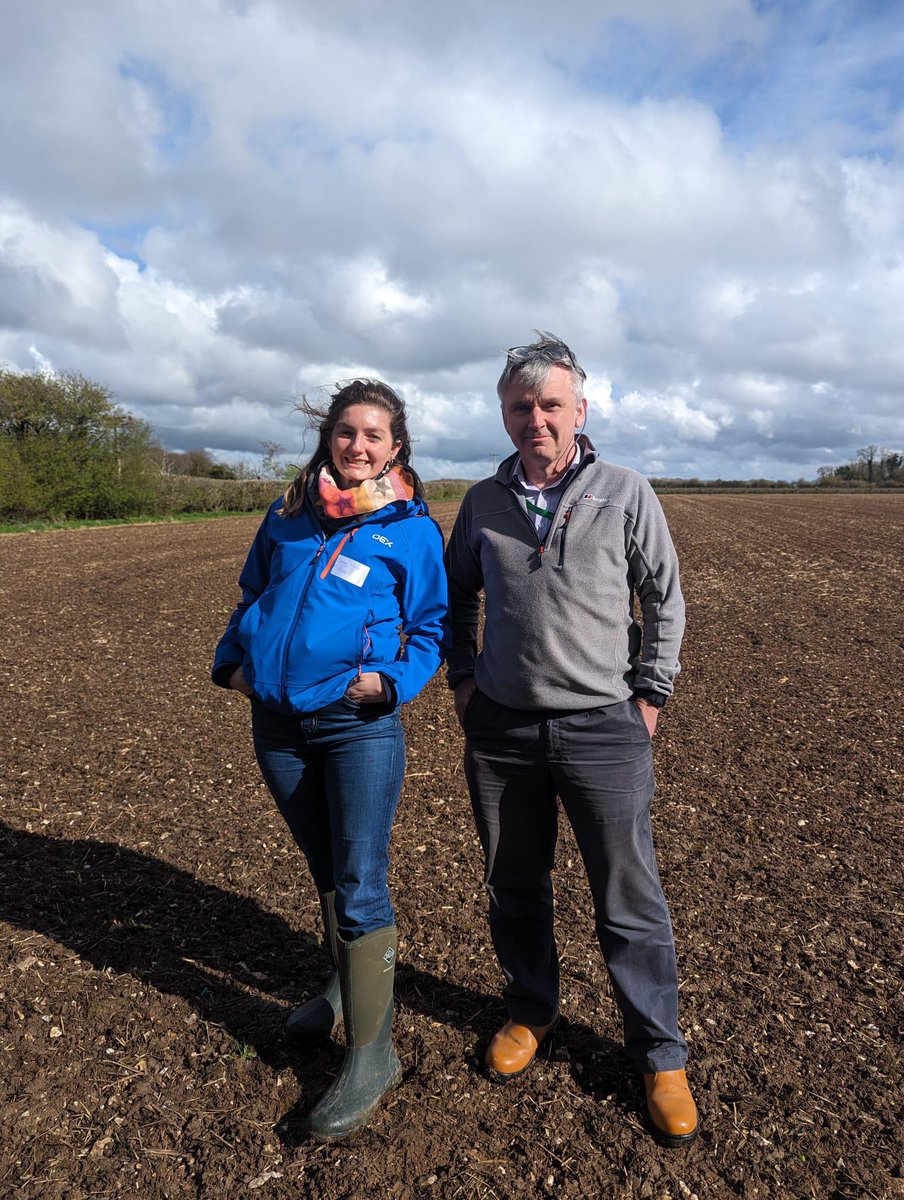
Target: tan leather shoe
pixel 513 1048
pixel 671 1108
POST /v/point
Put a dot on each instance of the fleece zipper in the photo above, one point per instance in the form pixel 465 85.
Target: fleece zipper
pixel 554 524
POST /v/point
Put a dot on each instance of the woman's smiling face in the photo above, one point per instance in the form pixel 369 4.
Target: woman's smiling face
pixel 361 444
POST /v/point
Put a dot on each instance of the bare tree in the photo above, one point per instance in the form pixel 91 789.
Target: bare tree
pixel 890 463
pixel 867 455
pixel 270 465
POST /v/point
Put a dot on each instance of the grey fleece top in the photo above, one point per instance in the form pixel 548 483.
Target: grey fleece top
pixel 560 630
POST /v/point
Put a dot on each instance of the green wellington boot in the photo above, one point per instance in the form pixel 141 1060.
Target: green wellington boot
pixel 371 1066
pixel 316 1020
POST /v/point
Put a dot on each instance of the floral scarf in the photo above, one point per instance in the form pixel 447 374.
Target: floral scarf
pixel 342 504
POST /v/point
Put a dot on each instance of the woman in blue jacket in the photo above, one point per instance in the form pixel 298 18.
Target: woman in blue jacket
pixel 342 564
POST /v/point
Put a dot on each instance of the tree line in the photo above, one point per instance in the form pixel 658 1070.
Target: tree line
pixel 67 450
pixel 875 465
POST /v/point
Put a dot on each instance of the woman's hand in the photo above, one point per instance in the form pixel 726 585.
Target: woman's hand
pixel 367 689
pixel 238 682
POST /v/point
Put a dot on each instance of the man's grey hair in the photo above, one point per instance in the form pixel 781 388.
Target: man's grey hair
pixel 532 364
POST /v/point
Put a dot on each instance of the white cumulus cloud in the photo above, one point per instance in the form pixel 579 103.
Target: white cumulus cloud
pixel 212 207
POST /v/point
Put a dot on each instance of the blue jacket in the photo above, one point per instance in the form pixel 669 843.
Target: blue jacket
pixel 319 608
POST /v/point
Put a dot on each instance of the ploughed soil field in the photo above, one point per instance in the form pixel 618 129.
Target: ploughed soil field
pixel 157 922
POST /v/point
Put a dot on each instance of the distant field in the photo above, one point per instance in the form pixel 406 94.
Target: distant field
pixel 157 921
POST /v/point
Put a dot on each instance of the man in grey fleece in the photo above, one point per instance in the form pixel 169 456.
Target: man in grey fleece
pixel 562 701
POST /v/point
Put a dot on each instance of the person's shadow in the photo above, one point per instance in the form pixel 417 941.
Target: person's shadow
pixel 239 966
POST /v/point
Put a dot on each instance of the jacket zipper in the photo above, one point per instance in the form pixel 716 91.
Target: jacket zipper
pixel 304 595
pixel 365 645
pixel 326 570
pixel 284 692
pixel 560 565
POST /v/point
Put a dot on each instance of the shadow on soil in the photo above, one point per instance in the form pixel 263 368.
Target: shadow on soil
pixel 236 963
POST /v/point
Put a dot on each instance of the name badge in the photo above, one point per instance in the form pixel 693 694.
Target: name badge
pixel 350 571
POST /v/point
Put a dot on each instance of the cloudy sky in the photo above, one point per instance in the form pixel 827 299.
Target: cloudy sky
pixel 211 206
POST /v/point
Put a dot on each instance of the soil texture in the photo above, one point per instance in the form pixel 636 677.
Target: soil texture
pixel 157 922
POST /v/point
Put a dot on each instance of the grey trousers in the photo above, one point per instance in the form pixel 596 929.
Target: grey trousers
pixel 599 762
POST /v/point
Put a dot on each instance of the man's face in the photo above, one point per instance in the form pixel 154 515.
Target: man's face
pixel 543 424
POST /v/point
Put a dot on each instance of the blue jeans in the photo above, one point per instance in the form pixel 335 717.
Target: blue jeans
pixel 336 775
pixel 600 763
